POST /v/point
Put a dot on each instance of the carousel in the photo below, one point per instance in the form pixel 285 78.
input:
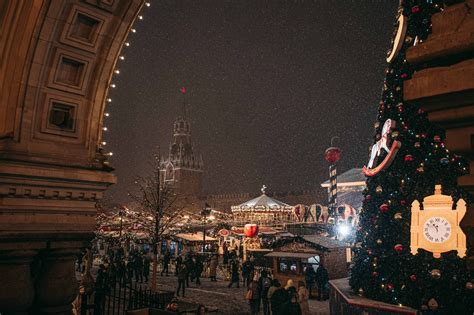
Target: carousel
pixel 264 211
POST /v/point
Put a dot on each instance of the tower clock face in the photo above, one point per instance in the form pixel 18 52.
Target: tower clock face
pixel 437 230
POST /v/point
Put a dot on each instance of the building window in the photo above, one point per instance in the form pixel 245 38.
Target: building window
pixel 287 265
pixel 62 116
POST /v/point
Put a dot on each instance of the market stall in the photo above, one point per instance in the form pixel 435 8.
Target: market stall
pixel 291 257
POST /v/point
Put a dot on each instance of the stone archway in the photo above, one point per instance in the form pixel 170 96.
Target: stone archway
pixel 56 63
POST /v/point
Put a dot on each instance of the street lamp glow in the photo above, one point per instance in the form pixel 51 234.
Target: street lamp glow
pixel 343 230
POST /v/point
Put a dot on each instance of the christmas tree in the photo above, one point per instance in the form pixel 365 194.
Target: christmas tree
pixel 416 159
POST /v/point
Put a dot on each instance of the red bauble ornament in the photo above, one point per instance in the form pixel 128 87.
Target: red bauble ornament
pixel 403 202
pixel 400 108
pixel 375 274
pixel 332 155
pixel 369 252
pixel 368 198
pixel 413 278
pixel 409 158
pixel 437 138
pixel 384 207
pixel 390 286
pixel 421 111
pixel 398 247
pixel 415 9
pixel 250 230
pixel 423 135
pixel 404 76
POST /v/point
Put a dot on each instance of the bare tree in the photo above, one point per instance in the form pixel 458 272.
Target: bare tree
pixel 157 212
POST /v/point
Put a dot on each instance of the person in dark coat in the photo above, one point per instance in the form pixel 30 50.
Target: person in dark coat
pixel 146 267
pixel 198 268
pixel 279 300
pixel 294 307
pixel 130 270
pixel 309 277
pixel 179 262
pixel 166 263
pixel 264 283
pixel 245 272
pixel 190 269
pixel 254 301
pixel 138 265
pixel 182 272
pixel 234 278
pixel 322 278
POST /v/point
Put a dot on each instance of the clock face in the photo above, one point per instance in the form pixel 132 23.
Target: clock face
pixel 437 230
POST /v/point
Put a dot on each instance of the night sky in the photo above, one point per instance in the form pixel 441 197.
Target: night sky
pixel 269 83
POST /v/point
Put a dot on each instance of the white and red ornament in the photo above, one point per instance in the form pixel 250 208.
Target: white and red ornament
pixel 251 230
pixel 382 144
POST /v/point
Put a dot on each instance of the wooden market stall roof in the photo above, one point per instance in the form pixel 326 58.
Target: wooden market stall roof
pixel 291 254
pixel 324 241
pixel 195 237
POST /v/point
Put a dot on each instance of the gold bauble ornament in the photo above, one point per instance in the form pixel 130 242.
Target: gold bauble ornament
pixel 360 292
pixel 397 216
pixel 435 273
pixel 469 285
pixel 433 304
pixel 378 190
pixel 379 241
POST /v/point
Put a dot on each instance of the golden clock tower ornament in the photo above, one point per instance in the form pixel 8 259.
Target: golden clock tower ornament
pixel 436 228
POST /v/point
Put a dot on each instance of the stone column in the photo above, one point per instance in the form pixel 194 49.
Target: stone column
pixel 16 289
pixel 56 286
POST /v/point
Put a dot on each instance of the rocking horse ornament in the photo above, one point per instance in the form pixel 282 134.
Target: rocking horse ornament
pixel 382 144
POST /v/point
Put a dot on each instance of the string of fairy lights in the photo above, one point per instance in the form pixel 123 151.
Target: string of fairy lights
pixel 116 71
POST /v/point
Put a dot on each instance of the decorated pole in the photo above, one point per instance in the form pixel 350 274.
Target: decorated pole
pixel 332 155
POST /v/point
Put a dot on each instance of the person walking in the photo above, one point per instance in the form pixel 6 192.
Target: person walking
pixel 322 279
pixel 146 267
pixel 166 263
pixel 293 300
pixel 198 268
pixel 265 283
pixel 309 277
pixel 182 274
pixel 234 278
pixel 138 268
pixel 190 269
pixel 253 296
pixel 303 296
pixel 278 299
pixel 130 270
pixel 179 261
pixel 213 268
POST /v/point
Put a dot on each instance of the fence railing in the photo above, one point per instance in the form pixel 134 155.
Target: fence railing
pixel 118 297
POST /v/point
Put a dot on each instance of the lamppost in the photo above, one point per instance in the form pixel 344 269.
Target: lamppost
pixel 204 213
pixel 332 155
pixel 121 213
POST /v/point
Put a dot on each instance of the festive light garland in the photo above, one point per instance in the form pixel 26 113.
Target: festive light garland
pixel 112 85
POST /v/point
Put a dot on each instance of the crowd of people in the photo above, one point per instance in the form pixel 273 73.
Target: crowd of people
pixel 264 295
pixel 270 296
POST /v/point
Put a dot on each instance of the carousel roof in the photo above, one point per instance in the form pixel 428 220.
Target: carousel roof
pixel 263 201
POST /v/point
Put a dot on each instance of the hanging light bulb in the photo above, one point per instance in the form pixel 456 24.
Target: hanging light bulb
pixel 107 114
pixel 122 57
pixel 111 153
pixel 113 86
pixel 133 30
pixel 127 44
pixel 147 4
pixel 103 143
pixel 109 100
pixel 104 128
pixel 117 71
pixel 140 17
